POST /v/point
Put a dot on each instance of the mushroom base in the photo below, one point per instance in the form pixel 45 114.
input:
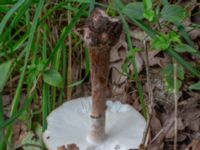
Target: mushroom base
pixel 97 130
pixel 71 124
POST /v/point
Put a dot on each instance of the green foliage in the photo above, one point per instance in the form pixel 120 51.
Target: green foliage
pixel 195 86
pixel 134 10
pixel 173 37
pixel 160 42
pixel 5 71
pixel 148 13
pixel 167 73
pixel 173 13
pixel 53 77
pixel 163 41
pixel 129 60
pixel 181 48
pixel 9 14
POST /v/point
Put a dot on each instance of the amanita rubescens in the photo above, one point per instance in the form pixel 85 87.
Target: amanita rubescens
pixel 101 34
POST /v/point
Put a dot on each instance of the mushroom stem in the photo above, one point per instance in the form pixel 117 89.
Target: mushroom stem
pixel 101 34
pixel 99 66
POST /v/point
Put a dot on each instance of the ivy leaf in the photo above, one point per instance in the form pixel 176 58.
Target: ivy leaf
pixel 4 70
pixel 134 10
pixel 53 77
pixel 160 43
pixel 195 86
pixel 173 13
pixel 181 48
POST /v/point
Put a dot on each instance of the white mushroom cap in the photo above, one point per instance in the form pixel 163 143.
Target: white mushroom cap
pixel 70 123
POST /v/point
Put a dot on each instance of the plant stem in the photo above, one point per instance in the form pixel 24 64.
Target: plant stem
pixel 175 105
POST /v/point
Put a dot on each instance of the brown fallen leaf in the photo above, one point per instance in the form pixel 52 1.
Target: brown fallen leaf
pixel 72 147
pixel 69 147
pixel 61 148
pixel 195 145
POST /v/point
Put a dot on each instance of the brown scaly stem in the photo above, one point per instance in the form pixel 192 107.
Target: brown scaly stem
pixel 101 34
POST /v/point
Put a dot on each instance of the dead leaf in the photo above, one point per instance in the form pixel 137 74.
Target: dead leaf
pixel 72 147
pixel 195 145
pixel 61 148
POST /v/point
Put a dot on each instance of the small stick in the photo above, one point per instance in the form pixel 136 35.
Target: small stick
pixel 69 71
pixel 175 104
pixel 150 95
pixel 101 34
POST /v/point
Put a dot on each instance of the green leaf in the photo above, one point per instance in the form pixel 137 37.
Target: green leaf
pixel 160 43
pixel 92 5
pixel 119 4
pixel 4 70
pixel 147 4
pixel 174 37
pixel 53 77
pixel 195 86
pixel 149 14
pixel 173 13
pixel 181 48
pixel 134 10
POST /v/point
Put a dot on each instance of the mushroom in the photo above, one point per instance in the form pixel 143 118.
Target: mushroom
pixel 95 123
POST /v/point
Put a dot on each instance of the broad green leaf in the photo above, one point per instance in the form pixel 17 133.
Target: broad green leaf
pixel 195 86
pixel 173 13
pixel 134 10
pixel 181 48
pixel 53 77
pixel 160 43
pixel 119 4
pixel 4 70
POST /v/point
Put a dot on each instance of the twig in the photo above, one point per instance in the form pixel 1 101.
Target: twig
pixel 175 104
pixel 69 72
pixel 150 94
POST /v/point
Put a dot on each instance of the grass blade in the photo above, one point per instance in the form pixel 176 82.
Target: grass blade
pixel 27 50
pixel 66 31
pixel 9 14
